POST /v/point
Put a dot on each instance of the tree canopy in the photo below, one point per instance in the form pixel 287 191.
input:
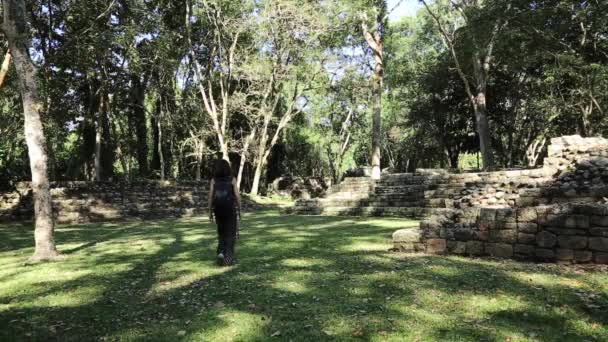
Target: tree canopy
pixel 135 89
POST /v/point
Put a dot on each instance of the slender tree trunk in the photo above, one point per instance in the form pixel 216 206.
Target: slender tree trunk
pixel 199 161
pixel 244 154
pixel 259 159
pixel 375 40
pixel 160 150
pixel 377 118
pixel 15 30
pixel 257 175
pixel 97 162
pixel 138 121
pixel 5 66
pixel 483 129
pixel 99 118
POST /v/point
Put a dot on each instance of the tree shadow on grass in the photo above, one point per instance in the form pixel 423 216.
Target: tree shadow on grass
pixel 302 285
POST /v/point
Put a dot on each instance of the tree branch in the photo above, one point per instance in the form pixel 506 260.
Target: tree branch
pixel 450 43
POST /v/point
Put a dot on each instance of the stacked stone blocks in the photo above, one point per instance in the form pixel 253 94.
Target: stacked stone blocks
pixel 564 220
pixel 102 201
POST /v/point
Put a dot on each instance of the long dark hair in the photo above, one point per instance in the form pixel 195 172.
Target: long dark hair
pixel 222 169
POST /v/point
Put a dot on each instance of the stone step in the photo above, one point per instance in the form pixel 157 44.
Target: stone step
pixel 376 211
pixel 400 189
pixel 367 203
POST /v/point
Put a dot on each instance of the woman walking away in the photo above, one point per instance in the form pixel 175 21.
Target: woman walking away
pixel 224 199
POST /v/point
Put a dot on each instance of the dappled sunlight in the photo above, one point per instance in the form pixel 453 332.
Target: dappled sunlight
pixel 539 281
pixel 235 326
pixel 173 275
pixel 290 286
pixel 305 262
pixel 364 245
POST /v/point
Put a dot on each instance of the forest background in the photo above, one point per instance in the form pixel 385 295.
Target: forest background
pixel 157 89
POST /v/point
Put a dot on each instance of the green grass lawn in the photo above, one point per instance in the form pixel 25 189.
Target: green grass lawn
pixel 298 278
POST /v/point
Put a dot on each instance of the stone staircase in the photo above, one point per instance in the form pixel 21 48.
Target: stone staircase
pixel 399 195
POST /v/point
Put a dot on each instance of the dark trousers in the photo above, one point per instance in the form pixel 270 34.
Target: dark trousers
pixel 226 231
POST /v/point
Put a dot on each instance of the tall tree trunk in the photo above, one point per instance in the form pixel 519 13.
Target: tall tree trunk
pixel 97 162
pixel 138 121
pixel 257 175
pixel 375 40
pixel 109 144
pixel 259 159
pixel 160 143
pixel 15 30
pixel 199 161
pixel 6 63
pixel 244 154
pixel 99 127
pixel 483 130
pixel 114 125
pixel 377 123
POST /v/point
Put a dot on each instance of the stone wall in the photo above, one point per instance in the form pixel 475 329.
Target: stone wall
pixel 566 232
pixel 557 213
pixel 103 201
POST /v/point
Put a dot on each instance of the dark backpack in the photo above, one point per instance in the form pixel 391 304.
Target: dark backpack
pixel 223 197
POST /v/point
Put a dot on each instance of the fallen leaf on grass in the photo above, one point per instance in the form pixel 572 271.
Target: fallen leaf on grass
pixel 276 333
pixel 181 333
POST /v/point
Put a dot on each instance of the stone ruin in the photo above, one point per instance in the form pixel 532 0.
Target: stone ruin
pixel 298 187
pixel 103 201
pixel 559 215
pixel 555 213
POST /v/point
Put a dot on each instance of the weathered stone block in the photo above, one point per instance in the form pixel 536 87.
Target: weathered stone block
pixel 527 239
pixel 501 250
pixel 474 248
pixel 599 221
pixel 504 214
pixel 464 234
pixel 486 225
pixel 509 225
pixel 564 254
pixel 525 250
pixel 436 246
pixel 582 256
pixel 600 258
pixel 598 244
pixel 407 235
pixel 447 233
pixel 553 220
pixel 419 247
pixel 487 215
pixel 457 247
pixel 527 227
pixel 577 221
pixel 482 235
pixel 599 231
pixel 506 236
pixel 543 253
pixel 527 215
pixel 564 231
pixel 572 241
pixel 406 247
pixel 545 239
